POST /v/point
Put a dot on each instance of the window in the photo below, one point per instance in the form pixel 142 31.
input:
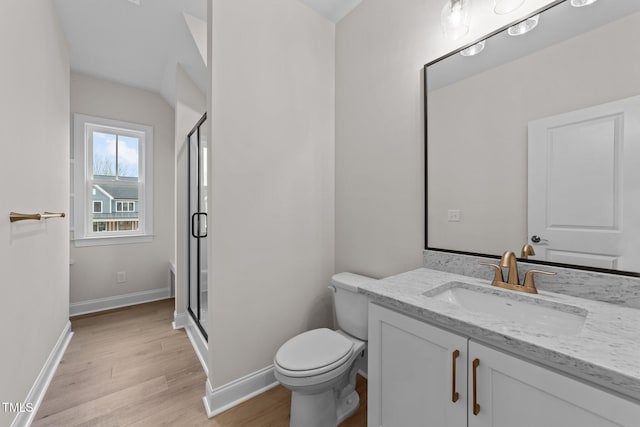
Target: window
pixel 113 181
pixel 125 206
pixel 99 226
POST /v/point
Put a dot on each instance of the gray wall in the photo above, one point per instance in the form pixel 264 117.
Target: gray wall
pixel 381 48
pixel 93 274
pixel 271 182
pixel 34 177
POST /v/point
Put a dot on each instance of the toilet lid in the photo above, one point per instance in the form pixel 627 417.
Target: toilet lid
pixel 319 350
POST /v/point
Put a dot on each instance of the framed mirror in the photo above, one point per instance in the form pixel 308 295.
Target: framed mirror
pixel 536 140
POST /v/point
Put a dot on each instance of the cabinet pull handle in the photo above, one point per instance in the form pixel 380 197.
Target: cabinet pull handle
pixel 454 394
pixel 476 406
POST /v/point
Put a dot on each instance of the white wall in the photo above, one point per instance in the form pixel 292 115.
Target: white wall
pixel 271 254
pixel 190 106
pixel 34 177
pixel 381 47
pixel 556 80
pixel 93 274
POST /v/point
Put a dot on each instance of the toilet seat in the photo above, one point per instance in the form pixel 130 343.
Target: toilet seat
pixel 313 353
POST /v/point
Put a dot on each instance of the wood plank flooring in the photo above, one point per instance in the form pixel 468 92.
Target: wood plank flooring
pixel 128 367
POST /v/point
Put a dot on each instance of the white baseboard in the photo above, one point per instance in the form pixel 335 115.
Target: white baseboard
pixel 101 304
pixel 229 395
pixel 199 344
pixel 41 384
pixel 180 321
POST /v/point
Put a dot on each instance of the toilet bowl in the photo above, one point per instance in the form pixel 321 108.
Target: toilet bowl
pixel 320 366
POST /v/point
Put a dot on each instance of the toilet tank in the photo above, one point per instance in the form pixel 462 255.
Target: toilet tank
pixel 351 306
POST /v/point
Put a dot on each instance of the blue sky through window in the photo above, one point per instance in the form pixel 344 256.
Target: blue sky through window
pixel 128 156
pixel 104 155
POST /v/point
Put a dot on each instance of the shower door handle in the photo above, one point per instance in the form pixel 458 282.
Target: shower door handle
pixel 193 225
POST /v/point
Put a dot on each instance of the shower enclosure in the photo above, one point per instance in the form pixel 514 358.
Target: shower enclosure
pixel 197 247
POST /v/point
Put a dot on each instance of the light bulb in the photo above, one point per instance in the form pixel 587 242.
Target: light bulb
pixel 455 18
pixel 580 3
pixel 502 7
pixel 474 49
pixel 524 26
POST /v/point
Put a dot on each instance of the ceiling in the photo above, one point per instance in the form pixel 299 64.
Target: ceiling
pixel 140 42
pixel 333 10
pixel 138 45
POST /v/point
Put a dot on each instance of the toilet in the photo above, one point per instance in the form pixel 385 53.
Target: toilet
pixel 320 366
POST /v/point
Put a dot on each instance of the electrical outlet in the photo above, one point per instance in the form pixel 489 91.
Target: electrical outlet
pixel 121 277
pixel 453 215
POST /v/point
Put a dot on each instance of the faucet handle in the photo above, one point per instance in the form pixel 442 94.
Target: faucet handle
pixel 528 277
pixel 498 275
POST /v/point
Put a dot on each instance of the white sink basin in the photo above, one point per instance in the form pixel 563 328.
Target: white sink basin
pixel 523 311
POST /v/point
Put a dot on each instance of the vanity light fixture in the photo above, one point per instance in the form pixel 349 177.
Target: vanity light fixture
pixel 523 27
pixel 580 3
pixel 502 7
pixel 474 49
pixel 455 18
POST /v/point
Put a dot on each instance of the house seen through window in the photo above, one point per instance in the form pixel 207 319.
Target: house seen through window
pixel 116 178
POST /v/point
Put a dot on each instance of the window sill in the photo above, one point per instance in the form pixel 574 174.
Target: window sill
pixel 112 240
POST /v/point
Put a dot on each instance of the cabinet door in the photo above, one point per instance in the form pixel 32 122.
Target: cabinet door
pixel 411 366
pixel 512 392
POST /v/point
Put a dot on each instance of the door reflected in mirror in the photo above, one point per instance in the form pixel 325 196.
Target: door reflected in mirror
pixel 539 135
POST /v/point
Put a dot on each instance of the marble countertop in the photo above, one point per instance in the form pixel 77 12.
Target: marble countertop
pixel 605 352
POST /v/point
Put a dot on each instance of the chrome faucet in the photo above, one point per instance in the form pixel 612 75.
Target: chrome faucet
pixel 509 261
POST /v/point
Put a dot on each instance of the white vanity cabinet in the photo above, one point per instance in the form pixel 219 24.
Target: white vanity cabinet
pixel 411 383
pixel 411 373
pixel 512 392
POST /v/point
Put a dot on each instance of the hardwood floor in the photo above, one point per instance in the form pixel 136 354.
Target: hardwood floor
pixel 128 367
pixel 272 409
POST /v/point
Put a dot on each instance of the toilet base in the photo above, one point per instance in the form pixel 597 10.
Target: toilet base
pixel 319 410
pixel 313 410
pixel 346 407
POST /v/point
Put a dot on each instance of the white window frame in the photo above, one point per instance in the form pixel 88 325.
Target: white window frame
pixel 83 234
pixel 93 208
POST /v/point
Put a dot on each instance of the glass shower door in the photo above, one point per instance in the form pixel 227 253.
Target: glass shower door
pixel 198 272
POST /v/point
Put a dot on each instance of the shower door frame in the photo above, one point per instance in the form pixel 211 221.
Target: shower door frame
pixel 190 227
